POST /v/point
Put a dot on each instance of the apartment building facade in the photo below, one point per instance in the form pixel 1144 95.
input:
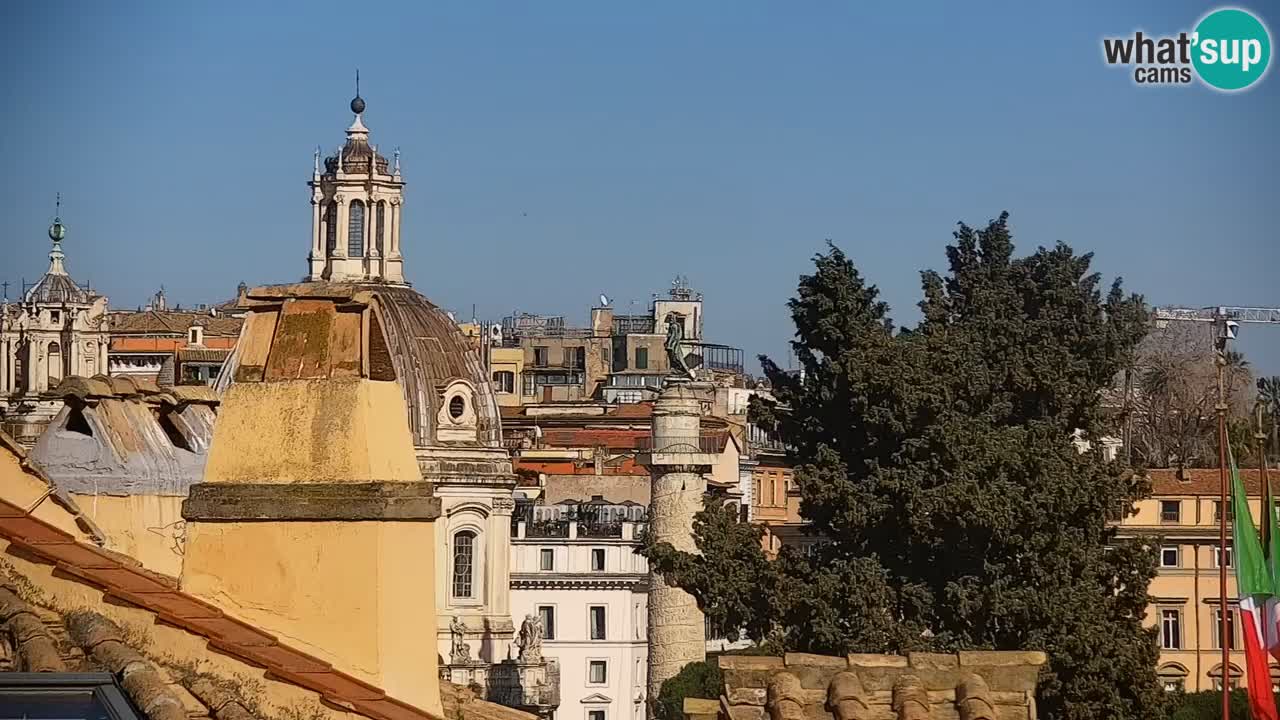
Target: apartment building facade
pixel 1183 510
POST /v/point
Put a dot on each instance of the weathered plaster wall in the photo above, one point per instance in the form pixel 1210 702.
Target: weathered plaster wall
pixel 336 430
pixel 359 595
pixel 176 649
pixel 148 528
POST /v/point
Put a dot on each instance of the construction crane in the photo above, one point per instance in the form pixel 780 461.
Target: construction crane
pixel 1216 314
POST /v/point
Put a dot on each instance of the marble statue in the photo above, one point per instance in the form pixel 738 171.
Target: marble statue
pixel 460 653
pixel 530 640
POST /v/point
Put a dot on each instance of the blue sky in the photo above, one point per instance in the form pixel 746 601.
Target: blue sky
pixel 558 150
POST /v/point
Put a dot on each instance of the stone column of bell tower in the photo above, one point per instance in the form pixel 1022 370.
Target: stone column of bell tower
pixel 677 633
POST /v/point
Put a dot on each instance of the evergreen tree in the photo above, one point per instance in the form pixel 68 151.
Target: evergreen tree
pixel 938 465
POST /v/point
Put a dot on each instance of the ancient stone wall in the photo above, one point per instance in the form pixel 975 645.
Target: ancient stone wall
pixel 918 686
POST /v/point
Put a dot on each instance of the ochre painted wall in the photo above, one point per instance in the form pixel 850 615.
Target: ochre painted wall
pixel 304 431
pixel 359 595
pixel 148 528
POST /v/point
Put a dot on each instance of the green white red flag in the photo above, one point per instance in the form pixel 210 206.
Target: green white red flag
pixel 1257 560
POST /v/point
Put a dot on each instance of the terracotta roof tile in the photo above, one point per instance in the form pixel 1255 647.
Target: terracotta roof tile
pixel 168 322
pixel 1205 481
pixel 228 635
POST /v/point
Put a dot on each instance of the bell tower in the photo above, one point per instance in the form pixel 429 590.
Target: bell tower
pixel 356 201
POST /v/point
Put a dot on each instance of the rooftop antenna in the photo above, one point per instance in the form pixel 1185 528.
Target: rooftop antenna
pixel 5 285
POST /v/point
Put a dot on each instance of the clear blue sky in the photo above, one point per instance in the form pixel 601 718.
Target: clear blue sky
pixel 558 150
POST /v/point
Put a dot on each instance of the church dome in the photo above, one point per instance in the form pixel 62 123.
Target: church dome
pixel 58 288
pixel 446 388
pixel 356 156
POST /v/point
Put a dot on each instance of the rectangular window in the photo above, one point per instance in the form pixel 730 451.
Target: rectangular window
pixel 597 672
pixel 642 358
pixel 1169 556
pixel 547 614
pixel 504 381
pixel 1171 629
pixel 55 316
pixel 546 559
pixel 1217 511
pixel 528 384
pixel 1170 511
pixel 540 356
pixel 597 559
pixel 596 621
pixel 595 715
pixel 1231 630
pixel 1217 557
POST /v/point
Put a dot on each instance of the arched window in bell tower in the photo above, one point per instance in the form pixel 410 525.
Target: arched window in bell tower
pixel 55 364
pixel 382 226
pixel 355 230
pixel 331 227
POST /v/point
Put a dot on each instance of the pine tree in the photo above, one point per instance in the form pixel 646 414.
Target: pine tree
pixel 937 464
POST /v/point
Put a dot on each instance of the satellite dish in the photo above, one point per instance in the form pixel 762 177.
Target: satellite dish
pixel 604 300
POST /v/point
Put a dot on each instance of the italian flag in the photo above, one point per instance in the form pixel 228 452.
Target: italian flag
pixel 1257 561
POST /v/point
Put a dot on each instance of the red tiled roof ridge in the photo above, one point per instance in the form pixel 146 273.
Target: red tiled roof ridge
pixel 1203 481
pixel 226 634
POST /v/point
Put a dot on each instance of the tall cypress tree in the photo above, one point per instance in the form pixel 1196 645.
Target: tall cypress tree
pixel 937 465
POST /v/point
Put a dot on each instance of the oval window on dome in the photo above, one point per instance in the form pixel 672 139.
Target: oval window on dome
pixel 457 406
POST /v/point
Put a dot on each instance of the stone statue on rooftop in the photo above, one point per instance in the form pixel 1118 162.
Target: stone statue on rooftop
pixel 675 337
pixel 530 640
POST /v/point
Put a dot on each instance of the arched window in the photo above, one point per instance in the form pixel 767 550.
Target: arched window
pixel 355 230
pixel 331 227
pixel 464 565
pixel 382 225
pixel 55 364
pixel 1233 676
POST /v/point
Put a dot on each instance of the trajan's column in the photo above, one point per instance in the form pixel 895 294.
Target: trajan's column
pixel 677 463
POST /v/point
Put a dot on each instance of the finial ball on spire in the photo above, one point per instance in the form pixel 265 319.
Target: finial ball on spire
pixel 57 231
pixel 357 105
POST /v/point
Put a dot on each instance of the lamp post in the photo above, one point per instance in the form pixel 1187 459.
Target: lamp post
pixel 1225 332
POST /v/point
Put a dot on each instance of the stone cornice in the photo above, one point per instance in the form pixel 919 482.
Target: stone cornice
pixel 578 581
pixel 256 502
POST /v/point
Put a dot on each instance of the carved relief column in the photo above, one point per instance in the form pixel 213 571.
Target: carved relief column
pixel 677 630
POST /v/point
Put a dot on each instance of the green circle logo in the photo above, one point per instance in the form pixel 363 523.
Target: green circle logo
pixel 1232 49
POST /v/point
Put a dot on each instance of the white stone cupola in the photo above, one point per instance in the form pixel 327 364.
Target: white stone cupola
pixel 356 201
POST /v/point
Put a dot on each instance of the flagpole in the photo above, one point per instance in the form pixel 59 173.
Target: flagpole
pixel 1221 362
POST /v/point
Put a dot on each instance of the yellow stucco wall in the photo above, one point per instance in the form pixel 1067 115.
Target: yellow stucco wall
pixel 44 585
pixel 1189 586
pixel 359 595
pixel 148 528
pixel 304 431
pixel 27 491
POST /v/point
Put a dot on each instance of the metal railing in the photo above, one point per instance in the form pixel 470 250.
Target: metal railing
pixel 711 444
